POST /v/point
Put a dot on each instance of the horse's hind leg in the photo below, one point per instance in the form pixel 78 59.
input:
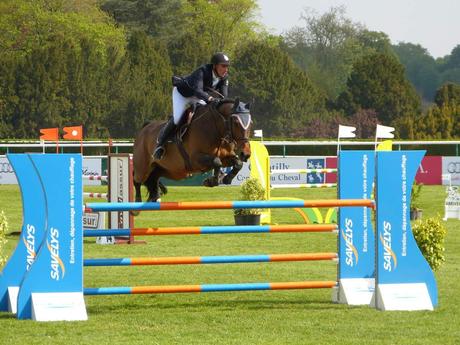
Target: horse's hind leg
pixel 153 184
pixel 137 188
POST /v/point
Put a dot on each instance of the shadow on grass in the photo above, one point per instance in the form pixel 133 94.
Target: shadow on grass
pixel 7 316
pixel 218 305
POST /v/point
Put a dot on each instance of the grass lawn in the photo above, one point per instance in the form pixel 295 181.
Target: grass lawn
pixel 260 317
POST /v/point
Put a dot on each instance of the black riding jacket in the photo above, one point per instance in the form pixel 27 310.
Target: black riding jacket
pixel 197 83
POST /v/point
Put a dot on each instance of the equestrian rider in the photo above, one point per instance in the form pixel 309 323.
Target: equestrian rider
pixel 193 89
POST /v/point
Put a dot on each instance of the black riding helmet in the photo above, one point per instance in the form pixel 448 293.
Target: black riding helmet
pixel 220 59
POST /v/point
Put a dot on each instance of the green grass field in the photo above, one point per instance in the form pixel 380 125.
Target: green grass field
pixel 262 317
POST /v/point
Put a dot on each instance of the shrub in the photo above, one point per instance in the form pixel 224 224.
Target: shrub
pixel 415 196
pixel 251 189
pixel 3 231
pixel 429 235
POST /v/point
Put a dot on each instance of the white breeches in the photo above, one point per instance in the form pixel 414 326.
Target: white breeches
pixel 180 103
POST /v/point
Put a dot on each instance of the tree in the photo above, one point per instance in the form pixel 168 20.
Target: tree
pixel 448 94
pixel 327 46
pixel 223 25
pixel 377 82
pixel 441 120
pixel 420 68
pixel 283 97
pixel 57 55
pixel 145 94
pixel 163 20
pixel 192 30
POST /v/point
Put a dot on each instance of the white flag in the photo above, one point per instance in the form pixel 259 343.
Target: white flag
pixel 384 132
pixel 347 132
pixel 258 133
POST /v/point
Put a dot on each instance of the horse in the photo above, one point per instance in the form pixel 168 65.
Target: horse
pixel 216 136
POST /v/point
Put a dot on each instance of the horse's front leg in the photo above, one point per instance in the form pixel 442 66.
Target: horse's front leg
pixel 236 167
pixel 211 162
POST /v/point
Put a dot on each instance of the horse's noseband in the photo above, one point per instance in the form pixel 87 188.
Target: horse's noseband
pixel 244 121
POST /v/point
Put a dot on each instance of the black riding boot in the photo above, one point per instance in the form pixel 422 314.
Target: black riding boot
pixel 163 137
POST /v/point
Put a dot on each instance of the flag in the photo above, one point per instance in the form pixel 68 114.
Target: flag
pixel 347 132
pixel 51 134
pixel 73 133
pixel 384 132
pixel 258 133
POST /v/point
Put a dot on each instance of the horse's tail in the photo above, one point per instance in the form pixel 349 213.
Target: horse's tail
pixel 164 189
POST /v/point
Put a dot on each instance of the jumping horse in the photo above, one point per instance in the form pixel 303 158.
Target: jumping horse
pixel 213 136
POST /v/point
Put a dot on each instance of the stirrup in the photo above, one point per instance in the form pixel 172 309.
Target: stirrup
pixel 159 152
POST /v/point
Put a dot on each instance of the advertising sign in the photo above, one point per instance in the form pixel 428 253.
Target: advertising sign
pixel 430 171
pixel 451 166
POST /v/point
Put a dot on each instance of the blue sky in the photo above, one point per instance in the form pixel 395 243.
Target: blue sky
pixel 433 24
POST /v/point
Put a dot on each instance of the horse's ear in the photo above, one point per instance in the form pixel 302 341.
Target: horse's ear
pixel 236 103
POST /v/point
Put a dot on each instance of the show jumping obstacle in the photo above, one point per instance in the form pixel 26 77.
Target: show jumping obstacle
pixel 261 170
pixel 50 286
pixel 120 189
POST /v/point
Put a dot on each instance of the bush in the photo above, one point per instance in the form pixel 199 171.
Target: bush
pixel 429 235
pixel 251 189
pixel 3 231
pixel 415 196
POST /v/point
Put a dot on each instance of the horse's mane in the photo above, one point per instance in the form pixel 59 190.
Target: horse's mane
pixel 227 100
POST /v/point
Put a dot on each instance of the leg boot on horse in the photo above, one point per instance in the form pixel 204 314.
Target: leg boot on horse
pixel 163 137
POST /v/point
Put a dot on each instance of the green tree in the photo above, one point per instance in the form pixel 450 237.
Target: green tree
pixel 448 94
pixel 441 120
pixel 56 54
pixel 146 94
pixel 161 19
pixel 212 26
pixel 420 68
pixel 327 46
pixel 378 82
pixel 283 97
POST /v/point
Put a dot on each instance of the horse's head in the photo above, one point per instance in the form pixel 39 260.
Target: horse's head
pixel 238 124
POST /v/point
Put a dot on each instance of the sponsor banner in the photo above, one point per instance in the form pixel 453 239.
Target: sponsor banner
pixel 451 166
pixel 397 252
pixel 91 167
pixel 59 261
pixel 356 237
pixel 7 175
pixel 302 162
pixel 430 171
pixel 331 163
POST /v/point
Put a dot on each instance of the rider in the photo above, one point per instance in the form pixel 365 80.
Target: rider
pixel 193 89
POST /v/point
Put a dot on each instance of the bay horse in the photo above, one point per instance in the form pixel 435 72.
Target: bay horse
pixel 216 136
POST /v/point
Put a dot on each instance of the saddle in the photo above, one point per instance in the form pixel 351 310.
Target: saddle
pixel 176 137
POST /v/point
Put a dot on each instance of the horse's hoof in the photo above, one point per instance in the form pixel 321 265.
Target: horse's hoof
pixel 227 180
pixel 134 213
pixel 210 182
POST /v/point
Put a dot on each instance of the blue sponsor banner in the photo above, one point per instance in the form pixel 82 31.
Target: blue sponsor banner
pixel 32 231
pixel 356 237
pixel 399 260
pixel 58 265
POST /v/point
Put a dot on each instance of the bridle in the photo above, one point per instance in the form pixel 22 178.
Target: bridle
pixel 229 137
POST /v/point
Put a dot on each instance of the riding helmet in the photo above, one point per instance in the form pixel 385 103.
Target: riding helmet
pixel 220 59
